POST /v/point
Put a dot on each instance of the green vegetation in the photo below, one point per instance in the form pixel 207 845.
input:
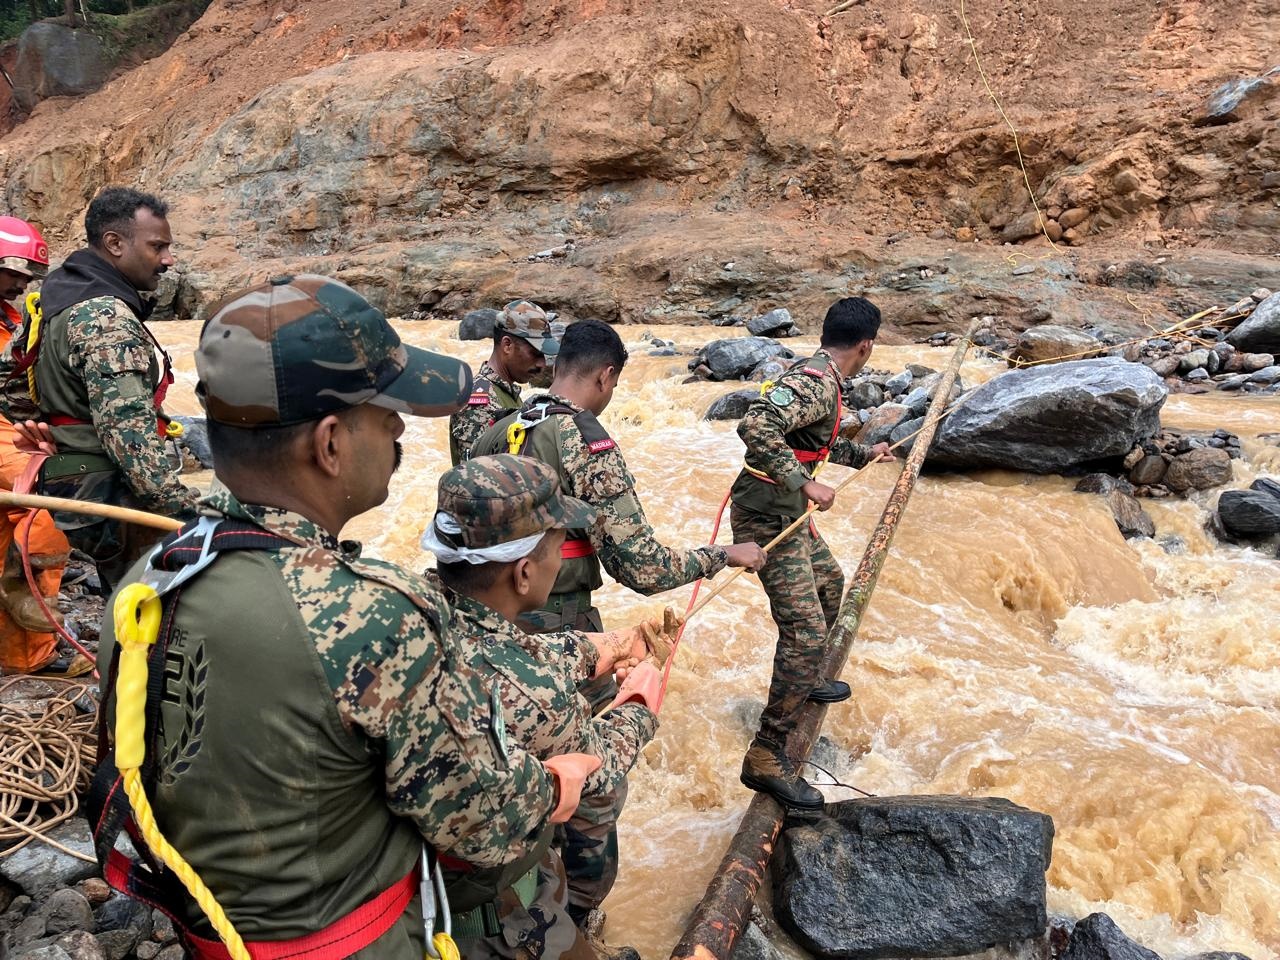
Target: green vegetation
pixel 117 21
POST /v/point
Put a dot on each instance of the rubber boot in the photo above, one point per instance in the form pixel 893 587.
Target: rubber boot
pixel 593 930
pixel 767 769
pixel 830 691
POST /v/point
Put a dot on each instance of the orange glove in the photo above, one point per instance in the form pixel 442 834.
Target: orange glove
pixel 643 685
pixel 571 771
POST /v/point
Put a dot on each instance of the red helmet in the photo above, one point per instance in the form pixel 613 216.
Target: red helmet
pixel 22 249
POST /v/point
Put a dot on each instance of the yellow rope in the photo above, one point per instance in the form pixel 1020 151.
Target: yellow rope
pixel 137 622
pixel 33 335
pixel 1017 147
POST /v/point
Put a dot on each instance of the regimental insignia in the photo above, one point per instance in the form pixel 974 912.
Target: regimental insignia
pixel 498 726
pixel 186 679
pixel 781 396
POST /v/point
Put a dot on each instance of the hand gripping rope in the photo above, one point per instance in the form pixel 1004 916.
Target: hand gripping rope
pixel 137 623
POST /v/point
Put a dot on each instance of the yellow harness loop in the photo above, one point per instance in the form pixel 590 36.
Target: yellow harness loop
pixel 33 335
pixel 137 622
pixel 764 387
pixel 446 949
pixel 173 429
pixel 515 437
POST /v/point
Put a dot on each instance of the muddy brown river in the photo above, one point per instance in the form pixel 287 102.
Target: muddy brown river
pixel 1016 646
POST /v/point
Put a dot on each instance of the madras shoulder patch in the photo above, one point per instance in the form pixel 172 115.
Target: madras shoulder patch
pixel 600 446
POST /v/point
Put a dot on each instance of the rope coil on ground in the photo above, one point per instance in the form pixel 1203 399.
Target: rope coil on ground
pixel 47 747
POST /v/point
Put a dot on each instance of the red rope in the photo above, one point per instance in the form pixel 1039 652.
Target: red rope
pixel 24 550
pixel 693 598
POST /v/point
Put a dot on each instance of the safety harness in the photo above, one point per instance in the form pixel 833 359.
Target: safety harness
pixel 117 800
pixel 820 455
pixel 26 350
pixel 540 410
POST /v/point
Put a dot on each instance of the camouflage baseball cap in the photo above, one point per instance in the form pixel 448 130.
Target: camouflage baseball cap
pixel 503 498
pixel 520 318
pixel 300 347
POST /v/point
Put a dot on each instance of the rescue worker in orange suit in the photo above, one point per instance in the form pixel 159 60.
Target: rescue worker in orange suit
pixel 27 641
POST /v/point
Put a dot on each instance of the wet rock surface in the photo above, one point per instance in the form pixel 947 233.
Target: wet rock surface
pixel 1047 419
pixel 913 876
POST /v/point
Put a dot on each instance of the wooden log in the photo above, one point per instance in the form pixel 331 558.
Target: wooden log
pixel 725 909
pixel 32 501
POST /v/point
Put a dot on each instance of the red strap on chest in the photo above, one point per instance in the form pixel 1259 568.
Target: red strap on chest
pixel 813 456
pixel 576 549
pixel 157 398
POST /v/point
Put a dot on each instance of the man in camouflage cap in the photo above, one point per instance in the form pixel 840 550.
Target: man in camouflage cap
pixel 525 344
pixel 92 377
pixel 496 535
pixel 318 723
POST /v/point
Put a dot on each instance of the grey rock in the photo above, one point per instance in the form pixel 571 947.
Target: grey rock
pixel 67 910
pixel 881 424
pixel 1103 483
pixel 43 952
pixel 162 928
pixel 732 358
pixel 863 394
pixel 1149 470
pixel 899 383
pixel 1266 375
pixel 1218 955
pixel 1196 358
pixel 768 370
pixel 902 431
pixel 754 944
pixel 770 323
pixel 1260 294
pixel 1260 331
pixel 81 945
pixel 1213 361
pixel 478 324
pixel 1025 270
pixel 30 930
pixel 55 60
pixel 1051 341
pixel 917 401
pixel 195 437
pixel 1266 485
pixel 39 869
pixel 1198 375
pixel 1164 366
pixel 172 952
pixel 913 876
pixel 1249 513
pixel 1234 382
pixel 727 322
pixel 1253 362
pixel 124 913
pixel 1223 103
pixel 1199 469
pixel 1132 520
pixel 117 944
pixel 1048 418
pixel 1097 937
pixel 919 370
pixel 732 406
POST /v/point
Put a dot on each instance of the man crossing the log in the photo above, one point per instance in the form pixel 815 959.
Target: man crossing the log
pixel 496 536
pixel 89 371
pixel 561 429
pixel 792 428
pixel 525 344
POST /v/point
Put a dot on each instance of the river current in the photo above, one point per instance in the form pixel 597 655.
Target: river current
pixel 1016 646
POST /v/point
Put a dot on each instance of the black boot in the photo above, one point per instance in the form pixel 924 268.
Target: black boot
pixel 767 769
pixel 830 691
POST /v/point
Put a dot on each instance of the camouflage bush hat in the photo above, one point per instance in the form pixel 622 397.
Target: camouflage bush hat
pixel 298 348
pixel 503 498
pixel 520 318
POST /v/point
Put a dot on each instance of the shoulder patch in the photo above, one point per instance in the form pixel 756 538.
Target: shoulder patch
pixel 813 371
pixel 600 446
pixel 478 400
pixel 780 396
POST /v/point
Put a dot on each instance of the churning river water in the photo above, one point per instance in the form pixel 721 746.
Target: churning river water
pixel 1016 646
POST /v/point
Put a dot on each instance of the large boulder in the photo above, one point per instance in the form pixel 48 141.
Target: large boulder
pixel 882 423
pixel 1260 331
pixel 1051 341
pixel 478 324
pixel 913 877
pixel 1046 419
pixel 1198 469
pixel 736 357
pixel 776 323
pixel 38 869
pixel 56 61
pixel 732 406
pixel 195 437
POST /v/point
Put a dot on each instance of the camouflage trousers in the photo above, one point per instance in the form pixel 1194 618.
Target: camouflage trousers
pixel 804 585
pixel 541 931
pixel 589 841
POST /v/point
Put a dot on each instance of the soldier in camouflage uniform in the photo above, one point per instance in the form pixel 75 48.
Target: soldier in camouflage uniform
pixel 97 380
pixel 318 722
pixel 560 429
pixel 525 344
pixel 789 431
pixel 497 533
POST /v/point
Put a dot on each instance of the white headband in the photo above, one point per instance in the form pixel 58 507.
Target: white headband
pixel 498 553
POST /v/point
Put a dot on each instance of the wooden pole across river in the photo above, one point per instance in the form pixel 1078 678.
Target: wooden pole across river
pixel 726 907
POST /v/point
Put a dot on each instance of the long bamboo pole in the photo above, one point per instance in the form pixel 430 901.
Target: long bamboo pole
pixel 32 501
pixel 726 906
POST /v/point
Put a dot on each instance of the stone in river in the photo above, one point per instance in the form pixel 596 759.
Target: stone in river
pixel 913 876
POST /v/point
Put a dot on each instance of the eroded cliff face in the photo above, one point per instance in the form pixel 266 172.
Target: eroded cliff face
pixel 696 154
